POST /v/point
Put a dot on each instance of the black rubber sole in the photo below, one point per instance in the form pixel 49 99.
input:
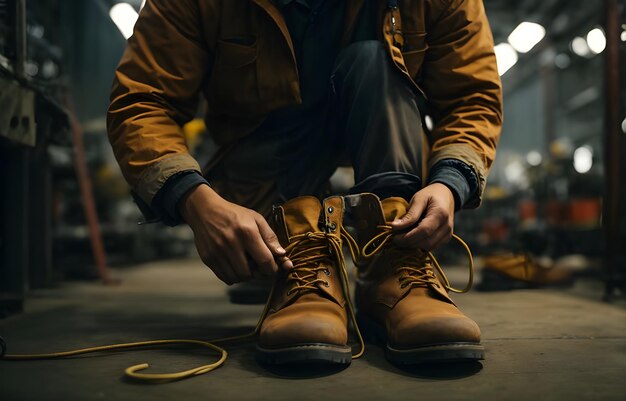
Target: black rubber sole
pixel 305 354
pixel 445 353
pixel 432 353
pixel 493 281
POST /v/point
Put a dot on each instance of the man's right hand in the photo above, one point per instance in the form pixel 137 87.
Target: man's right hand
pixel 233 241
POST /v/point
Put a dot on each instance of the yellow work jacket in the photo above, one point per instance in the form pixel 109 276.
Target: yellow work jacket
pixel 183 49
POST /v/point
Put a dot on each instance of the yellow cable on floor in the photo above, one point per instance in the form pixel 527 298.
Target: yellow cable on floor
pixel 133 371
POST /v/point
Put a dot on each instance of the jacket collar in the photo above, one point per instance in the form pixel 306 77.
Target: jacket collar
pixel 270 6
pixel 277 16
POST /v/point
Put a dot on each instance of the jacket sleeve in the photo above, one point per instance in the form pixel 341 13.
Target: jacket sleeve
pixel 155 91
pixel 460 78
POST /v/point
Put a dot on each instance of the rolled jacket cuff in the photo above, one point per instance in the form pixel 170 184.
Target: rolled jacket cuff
pixel 457 176
pixel 165 202
pixel 158 173
pixel 468 156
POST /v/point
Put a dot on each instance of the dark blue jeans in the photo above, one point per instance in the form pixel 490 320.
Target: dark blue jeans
pixel 370 119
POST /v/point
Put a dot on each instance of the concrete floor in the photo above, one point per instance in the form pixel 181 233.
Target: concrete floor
pixel 541 345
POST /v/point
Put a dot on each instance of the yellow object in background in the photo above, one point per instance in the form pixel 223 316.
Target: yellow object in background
pixel 194 130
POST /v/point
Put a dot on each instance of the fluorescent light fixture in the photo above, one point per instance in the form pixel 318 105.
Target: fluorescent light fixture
pixel 526 36
pixel 534 158
pixel 506 57
pixel 124 16
pixel 596 40
pixel 583 159
pixel 580 47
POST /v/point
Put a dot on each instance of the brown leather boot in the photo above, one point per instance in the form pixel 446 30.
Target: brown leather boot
pixel 399 299
pixel 511 271
pixel 307 319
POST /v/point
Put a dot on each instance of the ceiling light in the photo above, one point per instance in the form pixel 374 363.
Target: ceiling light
pixel 526 36
pixel 124 16
pixel 624 126
pixel 506 57
pixel 623 36
pixel 583 159
pixel 596 40
pixel 534 158
pixel 514 172
pixel 580 47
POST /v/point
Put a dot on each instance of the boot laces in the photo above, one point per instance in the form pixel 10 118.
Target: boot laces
pixel 308 252
pixel 415 269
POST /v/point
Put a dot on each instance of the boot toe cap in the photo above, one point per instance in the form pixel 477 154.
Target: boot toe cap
pixel 307 328
pixel 416 332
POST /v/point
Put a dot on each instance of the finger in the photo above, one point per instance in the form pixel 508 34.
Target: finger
pixel 237 261
pixel 440 237
pixel 270 239
pixel 212 259
pixel 426 228
pixel 284 262
pixel 413 215
pixel 223 273
pixel 256 273
pixel 260 253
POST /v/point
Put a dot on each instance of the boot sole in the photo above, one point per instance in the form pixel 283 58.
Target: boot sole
pixel 305 354
pixel 444 352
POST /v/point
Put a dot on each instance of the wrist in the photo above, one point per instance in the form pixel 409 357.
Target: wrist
pixel 445 193
pixel 196 200
pixel 458 177
pixel 444 188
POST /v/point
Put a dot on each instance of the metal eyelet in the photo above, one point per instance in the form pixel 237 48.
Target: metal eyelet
pixel 333 226
pixel 330 209
pixel 327 272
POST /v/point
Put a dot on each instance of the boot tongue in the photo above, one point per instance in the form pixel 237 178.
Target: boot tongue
pixel 394 208
pixel 302 215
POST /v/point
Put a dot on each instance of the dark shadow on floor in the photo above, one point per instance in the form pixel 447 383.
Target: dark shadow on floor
pixel 303 371
pixel 246 357
pixel 442 371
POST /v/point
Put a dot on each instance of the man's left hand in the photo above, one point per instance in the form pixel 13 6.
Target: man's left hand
pixel 429 221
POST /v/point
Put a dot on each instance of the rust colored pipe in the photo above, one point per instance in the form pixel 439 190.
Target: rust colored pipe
pixel 86 191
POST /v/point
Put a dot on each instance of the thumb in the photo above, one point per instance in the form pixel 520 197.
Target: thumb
pixel 270 239
pixel 412 216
